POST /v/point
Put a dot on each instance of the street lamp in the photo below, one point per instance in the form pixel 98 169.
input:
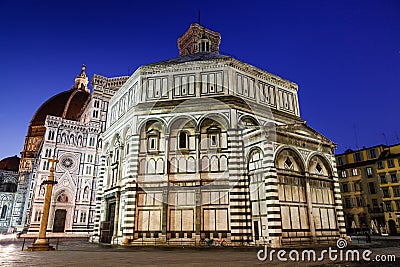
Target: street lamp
pixel 41 243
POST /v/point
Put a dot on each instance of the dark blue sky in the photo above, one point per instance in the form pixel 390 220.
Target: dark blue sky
pixel 344 55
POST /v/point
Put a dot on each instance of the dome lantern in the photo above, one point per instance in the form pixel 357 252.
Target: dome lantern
pixel 81 81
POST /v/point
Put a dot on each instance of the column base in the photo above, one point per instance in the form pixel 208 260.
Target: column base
pixel 40 247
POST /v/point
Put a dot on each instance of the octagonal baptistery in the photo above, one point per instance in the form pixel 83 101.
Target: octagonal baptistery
pixel 206 146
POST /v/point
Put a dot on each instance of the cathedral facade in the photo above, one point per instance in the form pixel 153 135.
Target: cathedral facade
pixel 8 187
pixel 206 146
pixel 68 125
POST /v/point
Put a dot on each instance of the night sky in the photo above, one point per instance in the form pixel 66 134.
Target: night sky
pixel 344 55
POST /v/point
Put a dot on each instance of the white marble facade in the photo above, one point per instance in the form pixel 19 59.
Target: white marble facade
pixel 74 138
pixel 205 145
pixel 72 206
pixel 7 195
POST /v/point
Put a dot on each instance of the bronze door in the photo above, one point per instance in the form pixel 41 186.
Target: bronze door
pixel 59 221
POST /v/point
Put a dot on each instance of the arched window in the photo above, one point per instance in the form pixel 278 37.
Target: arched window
pixel 64 138
pixel 38 215
pixel 183 140
pixel 204 44
pixel 86 193
pixel 116 154
pixel 79 143
pixel 3 212
pixel 42 190
pixel 99 143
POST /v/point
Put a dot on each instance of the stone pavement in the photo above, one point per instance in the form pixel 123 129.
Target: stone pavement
pixel 78 252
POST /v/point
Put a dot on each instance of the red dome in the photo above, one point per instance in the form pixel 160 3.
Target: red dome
pixel 10 164
pixel 67 105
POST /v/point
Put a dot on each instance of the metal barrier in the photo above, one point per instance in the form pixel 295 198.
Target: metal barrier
pixel 300 241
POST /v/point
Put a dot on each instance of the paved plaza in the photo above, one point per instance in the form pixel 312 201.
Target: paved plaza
pixel 78 252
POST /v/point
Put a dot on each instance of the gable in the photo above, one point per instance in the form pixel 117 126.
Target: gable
pixel 302 130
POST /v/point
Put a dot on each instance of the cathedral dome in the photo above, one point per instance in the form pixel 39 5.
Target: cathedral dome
pixel 67 105
pixel 10 164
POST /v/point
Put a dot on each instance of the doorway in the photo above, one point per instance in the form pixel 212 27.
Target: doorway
pixel 392 227
pixel 111 217
pixel 59 221
pixel 256 231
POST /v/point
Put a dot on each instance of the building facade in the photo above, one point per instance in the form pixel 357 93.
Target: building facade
pixel 8 187
pixel 371 188
pixel 207 146
pixel 68 126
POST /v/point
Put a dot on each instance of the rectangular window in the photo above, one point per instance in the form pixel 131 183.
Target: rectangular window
pixel 344 174
pixel 345 187
pixel 46 165
pixel 347 203
pixel 38 215
pixel 393 177
pixel 381 164
pixel 340 161
pixel 369 172
pixel 388 206
pixel 83 217
pixel 153 143
pixel 372 188
pixel 357 186
pixel 360 202
pixel 213 140
pixel 183 140
pixel 390 163
pixel 372 153
pixel 386 192
pixel 354 172
pixel 397 205
pixel 396 191
pixel 91 141
pixel 357 157
pixel 91 216
pixel 383 179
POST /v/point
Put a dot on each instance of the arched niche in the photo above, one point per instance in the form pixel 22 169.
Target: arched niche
pixel 287 159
